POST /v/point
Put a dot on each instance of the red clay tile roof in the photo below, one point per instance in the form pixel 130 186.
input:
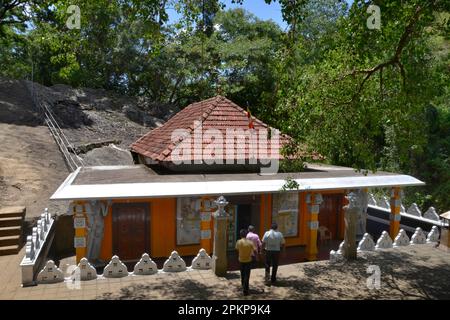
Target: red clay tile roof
pixel 214 113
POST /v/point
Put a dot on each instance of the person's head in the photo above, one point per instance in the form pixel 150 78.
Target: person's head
pixel 251 228
pixel 243 233
pixel 274 226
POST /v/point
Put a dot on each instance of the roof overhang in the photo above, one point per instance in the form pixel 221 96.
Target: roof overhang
pixel 184 187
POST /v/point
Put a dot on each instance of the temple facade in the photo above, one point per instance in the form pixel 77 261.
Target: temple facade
pixel 165 201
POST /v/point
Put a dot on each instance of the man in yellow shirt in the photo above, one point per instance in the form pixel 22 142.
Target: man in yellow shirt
pixel 245 248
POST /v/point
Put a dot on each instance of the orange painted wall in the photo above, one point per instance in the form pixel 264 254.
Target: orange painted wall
pixel 163 226
pixel 162 229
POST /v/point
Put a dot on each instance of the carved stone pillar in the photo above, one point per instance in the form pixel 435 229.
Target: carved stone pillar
pixel 95 211
pixel 352 210
pixel 362 214
pixel 219 261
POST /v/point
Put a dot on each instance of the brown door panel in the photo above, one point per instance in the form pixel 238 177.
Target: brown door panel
pixel 131 230
pixel 329 213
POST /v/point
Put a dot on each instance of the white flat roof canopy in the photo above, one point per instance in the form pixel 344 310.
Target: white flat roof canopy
pixel 127 182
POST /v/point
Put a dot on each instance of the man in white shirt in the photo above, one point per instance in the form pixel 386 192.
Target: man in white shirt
pixel 273 242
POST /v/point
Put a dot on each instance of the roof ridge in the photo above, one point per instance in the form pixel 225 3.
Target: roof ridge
pixel 236 106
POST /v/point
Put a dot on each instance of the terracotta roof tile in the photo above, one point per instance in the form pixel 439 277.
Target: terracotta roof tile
pixel 214 113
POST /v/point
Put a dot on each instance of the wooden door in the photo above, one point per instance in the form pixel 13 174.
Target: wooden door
pixel 329 213
pixel 131 226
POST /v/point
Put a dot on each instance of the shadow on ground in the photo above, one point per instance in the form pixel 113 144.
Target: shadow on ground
pixel 415 273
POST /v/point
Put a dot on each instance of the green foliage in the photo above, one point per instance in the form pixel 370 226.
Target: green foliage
pixel 290 184
pixel 369 99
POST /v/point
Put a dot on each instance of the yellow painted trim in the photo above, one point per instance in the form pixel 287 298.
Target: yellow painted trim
pixel 394 225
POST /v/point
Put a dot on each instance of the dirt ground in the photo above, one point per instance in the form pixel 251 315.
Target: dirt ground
pixel 413 272
pixel 31 168
pixel 31 165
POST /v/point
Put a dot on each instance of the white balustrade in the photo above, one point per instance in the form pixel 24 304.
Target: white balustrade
pixel 401 239
pixel 431 214
pixel 202 260
pixel 418 237
pixel 85 271
pixel 366 243
pixel 50 274
pixel 115 269
pixel 174 263
pixel 384 242
pixel 414 210
pixel 145 266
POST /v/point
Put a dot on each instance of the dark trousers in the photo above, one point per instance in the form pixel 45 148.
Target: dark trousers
pixel 272 258
pixel 245 275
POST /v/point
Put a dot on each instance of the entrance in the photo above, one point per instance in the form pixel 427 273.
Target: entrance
pixel 244 218
pixel 243 211
pixel 329 213
pixel 131 230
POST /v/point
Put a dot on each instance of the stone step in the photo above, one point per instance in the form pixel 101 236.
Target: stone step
pixel 9 241
pixel 12 212
pixel 10 231
pixel 4 251
pixel 11 222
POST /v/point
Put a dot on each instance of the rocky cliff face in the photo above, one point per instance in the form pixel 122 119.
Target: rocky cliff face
pixel 100 125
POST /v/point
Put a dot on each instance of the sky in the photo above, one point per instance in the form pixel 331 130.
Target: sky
pixel 258 7
pixel 261 9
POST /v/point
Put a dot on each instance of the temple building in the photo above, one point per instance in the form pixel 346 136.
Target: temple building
pixel 209 149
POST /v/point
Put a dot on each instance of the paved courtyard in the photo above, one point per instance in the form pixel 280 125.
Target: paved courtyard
pixel 413 272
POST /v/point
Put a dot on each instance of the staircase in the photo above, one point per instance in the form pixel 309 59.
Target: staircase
pixel 11 220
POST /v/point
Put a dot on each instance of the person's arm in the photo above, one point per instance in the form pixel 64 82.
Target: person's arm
pixel 263 243
pixel 283 244
pixel 259 246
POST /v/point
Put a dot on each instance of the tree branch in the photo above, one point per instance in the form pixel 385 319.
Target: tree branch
pixel 394 60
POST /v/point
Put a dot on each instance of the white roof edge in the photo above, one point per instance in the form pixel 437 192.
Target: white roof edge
pixel 67 191
pixel 67 182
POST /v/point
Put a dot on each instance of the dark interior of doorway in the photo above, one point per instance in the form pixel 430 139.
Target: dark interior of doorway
pixel 244 218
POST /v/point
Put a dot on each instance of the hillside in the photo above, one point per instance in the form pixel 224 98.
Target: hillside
pixel 99 124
